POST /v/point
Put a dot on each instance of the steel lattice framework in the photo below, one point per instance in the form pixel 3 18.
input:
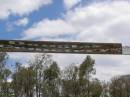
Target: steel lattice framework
pixel 62 47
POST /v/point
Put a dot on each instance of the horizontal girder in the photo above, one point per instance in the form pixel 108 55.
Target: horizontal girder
pixel 60 47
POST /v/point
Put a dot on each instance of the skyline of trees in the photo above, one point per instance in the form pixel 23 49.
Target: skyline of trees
pixel 44 78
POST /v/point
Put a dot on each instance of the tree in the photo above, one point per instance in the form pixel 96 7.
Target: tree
pixel 23 82
pixel 51 81
pixel 70 82
pixel 40 63
pixel 4 75
pixel 105 89
pixel 86 68
pixel 3 60
pixel 16 80
pixel 76 80
pixel 120 86
pixel 43 78
pixel 96 88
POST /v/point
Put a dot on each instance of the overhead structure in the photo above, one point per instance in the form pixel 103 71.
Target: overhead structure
pixel 62 47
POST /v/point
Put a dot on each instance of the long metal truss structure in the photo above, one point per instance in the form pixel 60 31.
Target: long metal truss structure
pixel 62 47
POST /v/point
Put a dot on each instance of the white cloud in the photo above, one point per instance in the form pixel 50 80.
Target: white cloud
pixel 10 26
pixel 9 80
pixel 20 7
pixel 107 66
pixel 47 28
pixel 70 3
pixel 22 22
pixel 21 57
pixel 102 21
pixel 97 22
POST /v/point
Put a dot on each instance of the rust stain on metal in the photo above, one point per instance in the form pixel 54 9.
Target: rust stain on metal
pixel 60 47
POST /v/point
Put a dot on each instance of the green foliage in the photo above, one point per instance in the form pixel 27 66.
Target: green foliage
pixel 4 75
pixel 96 88
pixel 120 86
pixel 23 82
pixel 44 78
pixel 87 67
pixel 3 59
pixel 51 82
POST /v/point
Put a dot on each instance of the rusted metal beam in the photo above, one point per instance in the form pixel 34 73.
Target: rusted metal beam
pixel 60 47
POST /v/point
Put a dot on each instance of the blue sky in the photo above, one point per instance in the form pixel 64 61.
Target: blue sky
pixel 70 20
pixel 9 30
pixel 52 11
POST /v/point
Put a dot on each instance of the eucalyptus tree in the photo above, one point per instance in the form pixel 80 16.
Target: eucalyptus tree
pixel 3 60
pixel 76 79
pixel 39 63
pixel 86 69
pixel 96 88
pixel 70 82
pixel 23 82
pixel 105 89
pixel 120 86
pixel 4 75
pixel 51 81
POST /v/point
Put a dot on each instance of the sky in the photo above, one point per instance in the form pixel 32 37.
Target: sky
pixel 70 20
